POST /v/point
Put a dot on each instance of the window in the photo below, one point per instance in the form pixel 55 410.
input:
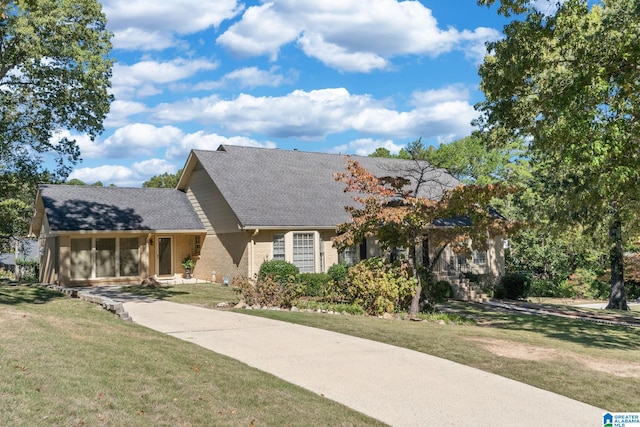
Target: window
pixel 348 256
pixel 480 257
pixel 81 265
pixel 129 257
pixel 197 244
pixel 104 257
pixel 303 252
pixel 278 246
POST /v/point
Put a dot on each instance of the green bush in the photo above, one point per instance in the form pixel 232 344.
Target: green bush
pixel 279 270
pixel 601 290
pixel 379 287
pixel 337 289
pixel 338 272
pixel 438 291
pixel 27 271
pixel 513 286
pixel 551 288
pixel 315 284
pixel 327 306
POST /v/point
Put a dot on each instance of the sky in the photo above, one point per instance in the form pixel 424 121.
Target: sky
pixel 334 76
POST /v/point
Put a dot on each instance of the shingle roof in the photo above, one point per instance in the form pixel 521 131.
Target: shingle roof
pixel 88 208
pixel 272 187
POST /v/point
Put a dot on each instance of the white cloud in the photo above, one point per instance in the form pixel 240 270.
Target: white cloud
pixel 300 114
pixel 139 139
pixel 250 77
pixel 366 146
pixel 315 114
pixel 548 7
pixel 145 78
pixel 152 167
pixel 350 35
pixel 123 176
pixel 203 141
pixel 455 92
pixel 150 24
pixel 136 38
pixel 261 31
pixel 338 57
pixel 120 112
pixel 107 174
pixel 473 43
pixel 88 148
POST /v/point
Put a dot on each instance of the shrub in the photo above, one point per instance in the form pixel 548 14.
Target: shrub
pixel 338 272
pixel 279 270
pixel 438 291
pixel 327 306
pixel 27 271
pixel 379 287
pixel 315 284
pixel 551 288
pixel 513 286
pixel 337 289
pixel 601 290
pixel 268 292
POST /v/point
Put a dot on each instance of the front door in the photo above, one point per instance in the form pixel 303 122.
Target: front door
pixel 165 256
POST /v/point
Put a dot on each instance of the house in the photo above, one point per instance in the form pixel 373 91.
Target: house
pixel 109 235
pixel 233 209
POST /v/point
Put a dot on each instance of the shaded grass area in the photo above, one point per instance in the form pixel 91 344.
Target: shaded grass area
pixel 67 362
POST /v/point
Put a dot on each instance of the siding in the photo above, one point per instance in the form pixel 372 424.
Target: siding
pixel 211 207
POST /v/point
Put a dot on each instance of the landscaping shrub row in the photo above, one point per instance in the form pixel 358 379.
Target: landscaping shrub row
pixel 372 286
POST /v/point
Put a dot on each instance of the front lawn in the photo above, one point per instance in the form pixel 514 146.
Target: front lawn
pixel 65 362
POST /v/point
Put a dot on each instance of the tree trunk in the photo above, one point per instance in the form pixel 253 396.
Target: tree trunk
pixel 415 301
pixel 618 298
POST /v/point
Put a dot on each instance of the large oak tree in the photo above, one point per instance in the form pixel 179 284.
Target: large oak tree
pixel 568 82
pixel 55 74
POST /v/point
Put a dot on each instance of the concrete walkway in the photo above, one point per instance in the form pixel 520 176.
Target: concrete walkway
pixel 397 386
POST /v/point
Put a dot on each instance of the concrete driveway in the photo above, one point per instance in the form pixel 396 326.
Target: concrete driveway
pixel 397 386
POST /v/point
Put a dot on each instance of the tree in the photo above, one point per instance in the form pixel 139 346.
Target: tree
pixel 568 82
pixel 389 209
pixel 165 180
pixel 54 74
pixel 473 161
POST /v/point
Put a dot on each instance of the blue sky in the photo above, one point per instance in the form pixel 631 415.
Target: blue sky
pixel 338 76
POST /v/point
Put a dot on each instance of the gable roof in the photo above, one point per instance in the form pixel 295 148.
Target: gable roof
pixel 88 208
pixel 282 188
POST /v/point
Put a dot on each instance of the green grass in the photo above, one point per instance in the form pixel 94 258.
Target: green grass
pixel 70 363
